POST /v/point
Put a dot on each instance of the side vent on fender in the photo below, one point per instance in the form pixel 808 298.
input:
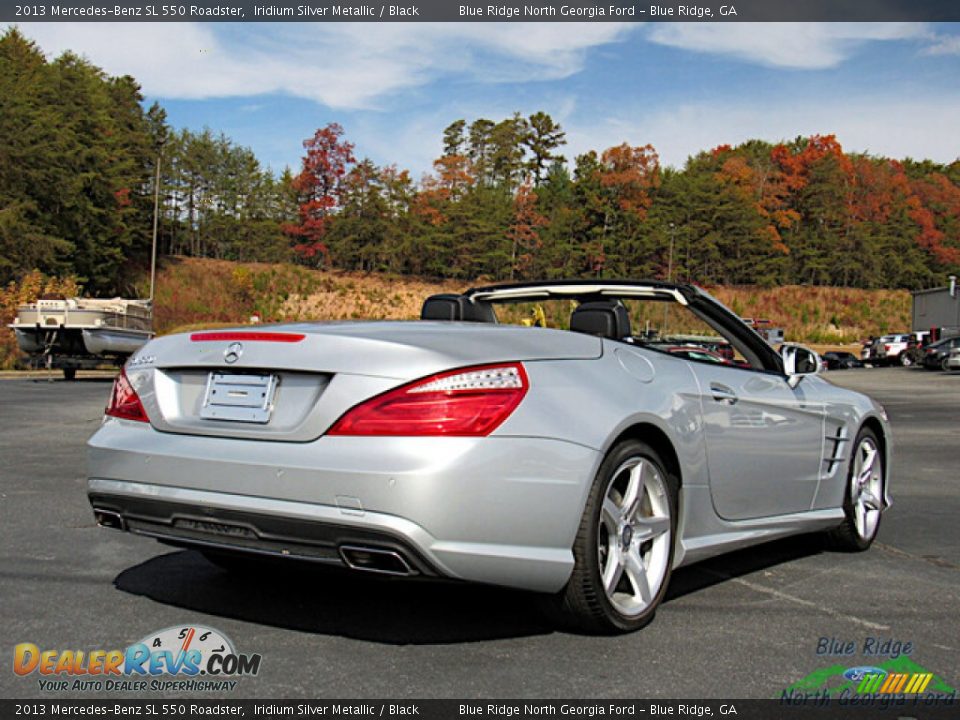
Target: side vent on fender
pixel 835 448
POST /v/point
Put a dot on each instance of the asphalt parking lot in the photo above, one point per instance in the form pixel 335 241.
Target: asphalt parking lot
pixel 745 625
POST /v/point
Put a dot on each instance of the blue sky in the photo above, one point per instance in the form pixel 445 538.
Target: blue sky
pixel 890 89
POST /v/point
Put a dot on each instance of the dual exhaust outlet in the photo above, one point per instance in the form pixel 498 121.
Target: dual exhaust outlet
pixel 355 557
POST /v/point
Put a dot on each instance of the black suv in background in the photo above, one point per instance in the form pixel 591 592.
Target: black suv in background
pixel 935 354
pixel 841 360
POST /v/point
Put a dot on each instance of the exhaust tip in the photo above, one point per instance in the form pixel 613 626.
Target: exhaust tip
pixel 377 560
pixel 109 519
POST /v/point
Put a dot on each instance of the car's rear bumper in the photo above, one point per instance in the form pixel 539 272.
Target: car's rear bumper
pixel 280 529
pixel 501 510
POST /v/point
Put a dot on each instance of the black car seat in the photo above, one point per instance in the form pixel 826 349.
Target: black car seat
pixel 606 318
pixel 450 306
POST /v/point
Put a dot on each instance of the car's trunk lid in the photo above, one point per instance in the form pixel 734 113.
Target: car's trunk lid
pixel 291 382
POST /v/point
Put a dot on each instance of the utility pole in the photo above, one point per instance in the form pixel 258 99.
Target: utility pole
pixel 666 305
pixel 670 261
pixel 156 217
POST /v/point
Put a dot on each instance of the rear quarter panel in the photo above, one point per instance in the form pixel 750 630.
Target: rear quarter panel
pixel 594 402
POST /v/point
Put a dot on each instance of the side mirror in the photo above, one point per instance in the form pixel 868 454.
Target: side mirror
pixel 798 362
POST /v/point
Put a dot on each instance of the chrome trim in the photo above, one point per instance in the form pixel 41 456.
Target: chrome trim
pixel 109 519
pixel 346 550
pixel 543 291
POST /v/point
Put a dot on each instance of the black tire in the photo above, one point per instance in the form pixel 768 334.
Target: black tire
pixel 847 537
pixel 583 605
pixel 943 363
pixel 69 373
pixel 905 359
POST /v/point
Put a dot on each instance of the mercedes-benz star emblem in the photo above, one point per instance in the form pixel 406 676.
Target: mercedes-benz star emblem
pixel 233 352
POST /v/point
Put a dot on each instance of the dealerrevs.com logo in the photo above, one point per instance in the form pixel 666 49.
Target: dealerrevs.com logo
pixel 180 658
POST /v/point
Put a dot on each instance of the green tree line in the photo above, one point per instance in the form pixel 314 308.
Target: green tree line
pixel 79 154
pixel 503 203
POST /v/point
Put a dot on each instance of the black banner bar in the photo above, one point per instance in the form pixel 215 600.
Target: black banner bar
pixel 474 10
pixel 874 707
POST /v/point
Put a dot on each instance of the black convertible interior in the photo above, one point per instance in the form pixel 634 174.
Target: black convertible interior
pixel 610 318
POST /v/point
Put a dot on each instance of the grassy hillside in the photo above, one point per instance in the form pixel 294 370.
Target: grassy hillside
pixel 191 292
pixel 822 315
pixel 195 293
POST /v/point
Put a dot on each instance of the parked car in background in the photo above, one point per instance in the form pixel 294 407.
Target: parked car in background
pixel 841 361
pixel 915 347
pixel 891 349
pixel 953 359
pixel 936 354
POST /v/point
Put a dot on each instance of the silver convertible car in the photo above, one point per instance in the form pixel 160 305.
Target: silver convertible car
pixel 542 436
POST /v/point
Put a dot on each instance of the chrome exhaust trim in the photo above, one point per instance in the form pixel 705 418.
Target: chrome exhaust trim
pixel 376 560
pixel 109 519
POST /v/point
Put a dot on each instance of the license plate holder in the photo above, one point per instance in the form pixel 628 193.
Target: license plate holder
pixel 239 397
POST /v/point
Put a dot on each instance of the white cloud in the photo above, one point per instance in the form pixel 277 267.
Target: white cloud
pixel 793 45
pixel 359 66
pixel 919 127
pixel 944 45
pixel 341 65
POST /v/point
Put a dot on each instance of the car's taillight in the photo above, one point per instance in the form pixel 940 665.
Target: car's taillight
pixel 469 401
pixel 124 401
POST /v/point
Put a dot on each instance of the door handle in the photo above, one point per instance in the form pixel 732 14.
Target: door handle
pixel 723 394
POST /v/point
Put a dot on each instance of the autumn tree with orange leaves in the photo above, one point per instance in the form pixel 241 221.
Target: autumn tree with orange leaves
pixel 524 231
pixel 319 186
pixel 500 202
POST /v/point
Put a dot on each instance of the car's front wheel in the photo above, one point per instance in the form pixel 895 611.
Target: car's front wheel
pixel 624 547
pixel 906 359
pixel 863 498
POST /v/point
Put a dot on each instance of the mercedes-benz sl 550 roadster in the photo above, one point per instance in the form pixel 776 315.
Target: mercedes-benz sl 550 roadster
pixel 539 436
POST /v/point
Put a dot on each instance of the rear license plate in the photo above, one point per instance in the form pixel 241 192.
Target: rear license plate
pixel 239 398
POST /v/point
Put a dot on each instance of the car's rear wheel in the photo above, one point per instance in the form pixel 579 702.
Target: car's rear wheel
pixel 624 547
pixel 905 359
pixel 863 499
pixel 943 364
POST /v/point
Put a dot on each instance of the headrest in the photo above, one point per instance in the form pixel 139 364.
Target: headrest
pixel 607 318
pixel 450 306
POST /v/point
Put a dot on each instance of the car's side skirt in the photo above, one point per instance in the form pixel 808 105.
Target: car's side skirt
pixel 708 537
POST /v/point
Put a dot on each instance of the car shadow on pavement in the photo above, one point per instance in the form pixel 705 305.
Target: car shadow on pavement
pixel 702 575
pixel 325 601
pixel 328 601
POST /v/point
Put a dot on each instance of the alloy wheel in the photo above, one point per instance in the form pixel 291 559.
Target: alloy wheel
pixel 866 488
pixel 634 536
